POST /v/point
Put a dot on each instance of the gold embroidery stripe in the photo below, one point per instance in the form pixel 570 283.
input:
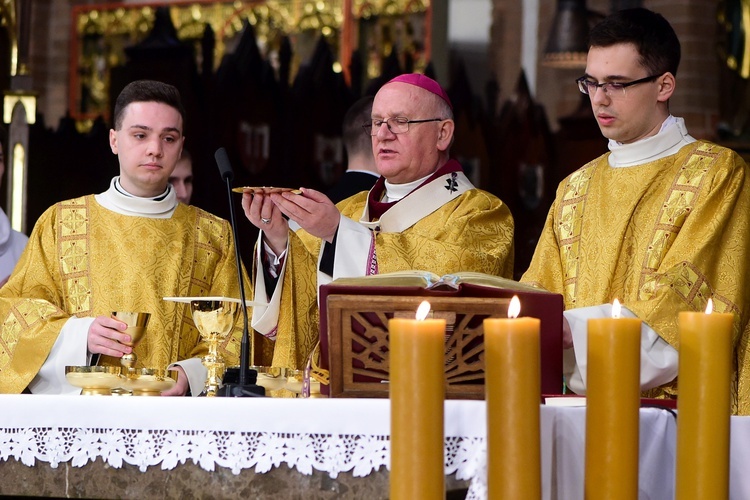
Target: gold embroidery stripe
pixel 73 250
pixel 691 285
pixel 678 203
pixel 25 314
pixel 569 228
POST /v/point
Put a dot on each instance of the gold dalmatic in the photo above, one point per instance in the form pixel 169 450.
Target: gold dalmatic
pixel 661 237
pixel 84 260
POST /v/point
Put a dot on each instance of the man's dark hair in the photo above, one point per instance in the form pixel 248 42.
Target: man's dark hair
pixel 147 91
pixel 652 35
pixel 356 141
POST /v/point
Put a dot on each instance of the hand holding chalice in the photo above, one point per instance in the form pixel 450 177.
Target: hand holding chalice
pixel 137 322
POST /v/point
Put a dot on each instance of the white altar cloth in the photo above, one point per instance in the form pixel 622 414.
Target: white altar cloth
pixel 330 435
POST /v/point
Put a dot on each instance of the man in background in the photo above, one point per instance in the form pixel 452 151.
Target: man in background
pixel 361 171
pixel 182 178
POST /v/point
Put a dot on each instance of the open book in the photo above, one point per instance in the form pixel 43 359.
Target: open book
pixel 432 281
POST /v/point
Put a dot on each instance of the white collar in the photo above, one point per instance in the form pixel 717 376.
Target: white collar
pixel 396 192
pixel 120 201
pixel 672 136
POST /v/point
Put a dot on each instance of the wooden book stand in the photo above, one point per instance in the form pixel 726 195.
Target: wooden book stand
pixel 354 335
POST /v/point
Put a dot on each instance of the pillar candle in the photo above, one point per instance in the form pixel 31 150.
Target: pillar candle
pixel 513 390
pixel 417 393
pixel 704 404
pixel 612 406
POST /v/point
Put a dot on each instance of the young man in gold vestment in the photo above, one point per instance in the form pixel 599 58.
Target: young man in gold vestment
pixel 423 213
pixel 124 249
pixel 661 222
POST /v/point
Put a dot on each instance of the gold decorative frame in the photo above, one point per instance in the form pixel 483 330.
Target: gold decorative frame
pixel 99 34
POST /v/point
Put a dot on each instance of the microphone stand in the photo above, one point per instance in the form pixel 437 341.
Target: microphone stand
pixel 246 387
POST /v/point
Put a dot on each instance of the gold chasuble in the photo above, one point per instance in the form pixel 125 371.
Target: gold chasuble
pixel 661 237
pixel 84 260
pixel 471 232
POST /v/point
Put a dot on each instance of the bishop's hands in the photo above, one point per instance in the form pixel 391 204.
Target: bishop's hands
pixel 312 210
pixel 261 211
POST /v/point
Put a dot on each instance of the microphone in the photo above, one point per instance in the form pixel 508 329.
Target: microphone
pixel 244 387
pixel 225 168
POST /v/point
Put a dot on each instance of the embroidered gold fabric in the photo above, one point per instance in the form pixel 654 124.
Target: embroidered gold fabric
pixel 473 232
pixel 661 237
pixel 84 260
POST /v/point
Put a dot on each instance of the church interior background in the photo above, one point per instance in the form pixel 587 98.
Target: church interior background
pixel 271 81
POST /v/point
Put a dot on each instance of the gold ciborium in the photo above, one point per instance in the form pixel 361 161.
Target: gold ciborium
pixel 214 317
pixel 137 322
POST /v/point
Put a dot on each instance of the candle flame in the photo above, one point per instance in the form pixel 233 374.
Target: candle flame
pixel 514 309
pixel 423 310
pixel 616 309
pixel 710 306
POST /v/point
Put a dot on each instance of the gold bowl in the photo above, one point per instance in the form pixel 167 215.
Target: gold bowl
pixel 146 381
pixel 94 380
pixel 272 378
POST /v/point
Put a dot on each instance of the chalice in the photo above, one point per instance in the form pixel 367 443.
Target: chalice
pixel 137 322
pixel 214 317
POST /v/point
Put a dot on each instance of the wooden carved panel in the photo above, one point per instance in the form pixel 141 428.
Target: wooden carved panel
pixel 358 341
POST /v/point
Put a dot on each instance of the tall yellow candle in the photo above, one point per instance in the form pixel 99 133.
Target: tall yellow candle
pixel 417 392
pixel 704 404
pixel 612 407
pixel 513 388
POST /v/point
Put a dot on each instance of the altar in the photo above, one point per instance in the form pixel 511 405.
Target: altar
pixel 129 447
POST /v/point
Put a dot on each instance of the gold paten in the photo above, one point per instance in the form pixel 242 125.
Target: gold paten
pixel 118 381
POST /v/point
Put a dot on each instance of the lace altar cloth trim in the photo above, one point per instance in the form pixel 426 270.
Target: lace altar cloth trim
pixel 262 451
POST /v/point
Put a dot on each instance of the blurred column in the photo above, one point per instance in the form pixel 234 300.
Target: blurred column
pixel 19 108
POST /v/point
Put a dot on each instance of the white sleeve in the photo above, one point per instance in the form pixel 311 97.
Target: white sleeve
pixel 196 374
pixel 266 318
pixel 659 360
pixel 70 349
pixel 275 260
pixel 352 257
